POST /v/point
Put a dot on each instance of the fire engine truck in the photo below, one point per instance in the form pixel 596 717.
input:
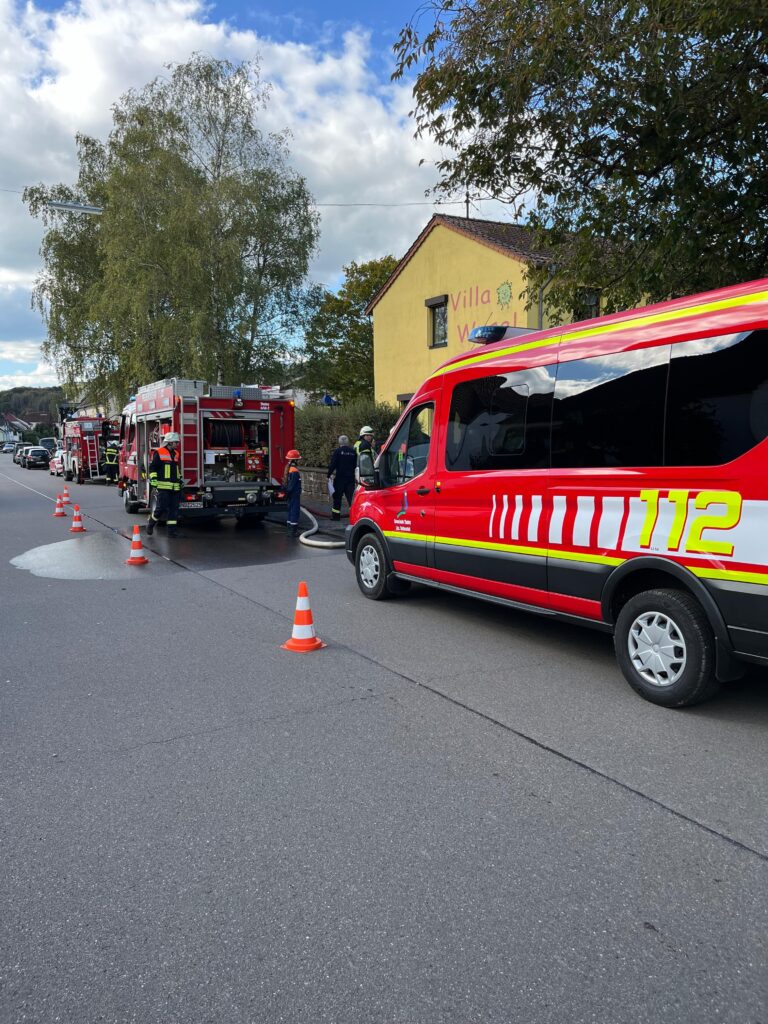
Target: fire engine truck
pixel 232 452
pixel 83 440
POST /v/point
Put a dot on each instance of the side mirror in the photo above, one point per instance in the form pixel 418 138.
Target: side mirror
pixel 366 473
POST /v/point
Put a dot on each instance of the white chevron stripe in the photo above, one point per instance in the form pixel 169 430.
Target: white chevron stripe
pixel 585 512
pixel 516 517
pixel 503 517
pixel 533 520
pixel 556 522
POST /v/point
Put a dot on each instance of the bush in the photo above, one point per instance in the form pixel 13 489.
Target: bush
pixel 318 427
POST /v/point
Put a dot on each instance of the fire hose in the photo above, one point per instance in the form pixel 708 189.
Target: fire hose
pixel 306 537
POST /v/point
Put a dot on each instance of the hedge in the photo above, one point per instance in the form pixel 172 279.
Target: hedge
pixel 318 427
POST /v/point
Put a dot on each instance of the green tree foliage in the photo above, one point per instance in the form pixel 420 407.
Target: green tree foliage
pixel 338 353
pixel 318 427
pixel 203 244
pixel 37 405
pixel 635 132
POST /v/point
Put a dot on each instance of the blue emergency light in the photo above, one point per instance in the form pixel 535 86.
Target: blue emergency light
pixel 488 334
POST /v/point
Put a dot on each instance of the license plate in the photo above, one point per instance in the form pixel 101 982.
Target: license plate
pixel 191 504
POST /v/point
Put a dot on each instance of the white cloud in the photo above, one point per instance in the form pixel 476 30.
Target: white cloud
pixel 352 139
pixel 41 377
pixel 19 351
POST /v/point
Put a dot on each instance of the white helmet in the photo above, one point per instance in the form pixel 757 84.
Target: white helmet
pixel 366 430
pixel 170 438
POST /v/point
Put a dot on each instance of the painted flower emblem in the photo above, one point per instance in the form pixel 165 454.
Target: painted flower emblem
pixel 504 294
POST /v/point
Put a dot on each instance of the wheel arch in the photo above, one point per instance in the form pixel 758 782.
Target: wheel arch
pixel 648 573
pixel 363 526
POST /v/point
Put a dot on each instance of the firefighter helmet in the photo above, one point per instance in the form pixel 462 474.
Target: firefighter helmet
pixel 292 455
pixel 366 430
pixel 170 438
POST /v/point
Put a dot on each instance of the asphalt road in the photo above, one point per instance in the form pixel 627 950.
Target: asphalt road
pixel 453 813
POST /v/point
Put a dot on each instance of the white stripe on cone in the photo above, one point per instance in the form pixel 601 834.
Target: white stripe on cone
pixel 302 604
pixel 303 632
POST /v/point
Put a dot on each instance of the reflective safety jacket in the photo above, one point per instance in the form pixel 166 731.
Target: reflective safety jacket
pixel 362 445
pixel 110 456
pixel 164 471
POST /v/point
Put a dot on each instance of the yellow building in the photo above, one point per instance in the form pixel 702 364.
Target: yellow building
pixel 458 274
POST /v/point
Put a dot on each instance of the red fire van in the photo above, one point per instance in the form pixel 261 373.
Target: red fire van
pixel 612 472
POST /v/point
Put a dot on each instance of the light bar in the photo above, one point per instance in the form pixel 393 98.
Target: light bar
pixel 488 334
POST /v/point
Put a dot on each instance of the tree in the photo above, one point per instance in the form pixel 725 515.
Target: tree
pixel 338 353
pixel 205 238
pixel 634 133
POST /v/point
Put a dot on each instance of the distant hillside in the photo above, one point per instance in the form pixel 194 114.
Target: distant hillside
pixel 32 404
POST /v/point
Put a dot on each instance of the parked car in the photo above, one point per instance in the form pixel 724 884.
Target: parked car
pixel 36 457
pixel 17 450
pixel 56 463
pixel 50 443
pixel 23 455
pixel 8 447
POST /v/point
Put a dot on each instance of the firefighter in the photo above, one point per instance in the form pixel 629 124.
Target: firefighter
pixel 343 464
pixel 110 461
pixel 165 478
pixel 292 486
pixel 365 443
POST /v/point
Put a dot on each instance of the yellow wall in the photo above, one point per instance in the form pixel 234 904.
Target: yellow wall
pixel 475 278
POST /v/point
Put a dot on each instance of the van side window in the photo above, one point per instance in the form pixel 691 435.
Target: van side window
pixel 609 410
pixel 500 422
pixel 407 453
pixel 717 407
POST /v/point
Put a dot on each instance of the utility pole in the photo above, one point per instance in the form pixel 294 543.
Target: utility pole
pixel 466 201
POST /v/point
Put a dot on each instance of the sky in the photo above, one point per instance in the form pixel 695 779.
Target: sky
pixel 62 66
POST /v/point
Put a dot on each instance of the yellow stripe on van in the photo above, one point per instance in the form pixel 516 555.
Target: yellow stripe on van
pixel 592 332
pixel 573 556
pixel 733 575
pixel 511 549
pixel 580 556
pixel 471 360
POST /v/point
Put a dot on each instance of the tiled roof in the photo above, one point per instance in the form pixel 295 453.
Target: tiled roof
pixel 512 239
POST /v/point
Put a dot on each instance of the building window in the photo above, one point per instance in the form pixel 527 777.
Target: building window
pixel 438 320
pixel 587 305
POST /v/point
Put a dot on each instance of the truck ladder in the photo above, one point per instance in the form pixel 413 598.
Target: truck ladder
pixel 92 449
pixel 190 442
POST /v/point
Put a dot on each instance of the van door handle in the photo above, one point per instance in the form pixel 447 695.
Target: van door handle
pixel 422 490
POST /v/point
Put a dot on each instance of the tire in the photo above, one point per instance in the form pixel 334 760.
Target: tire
pixel 371 568
pixel 679 670
pixel 131 507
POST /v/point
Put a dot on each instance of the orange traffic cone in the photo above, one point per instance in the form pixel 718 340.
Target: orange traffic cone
pixel 77 522
pixel 137 552
pixel 65 498
pixel 303 637
pixel 59 508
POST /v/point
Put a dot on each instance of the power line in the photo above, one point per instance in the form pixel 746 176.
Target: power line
pixel 423 202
